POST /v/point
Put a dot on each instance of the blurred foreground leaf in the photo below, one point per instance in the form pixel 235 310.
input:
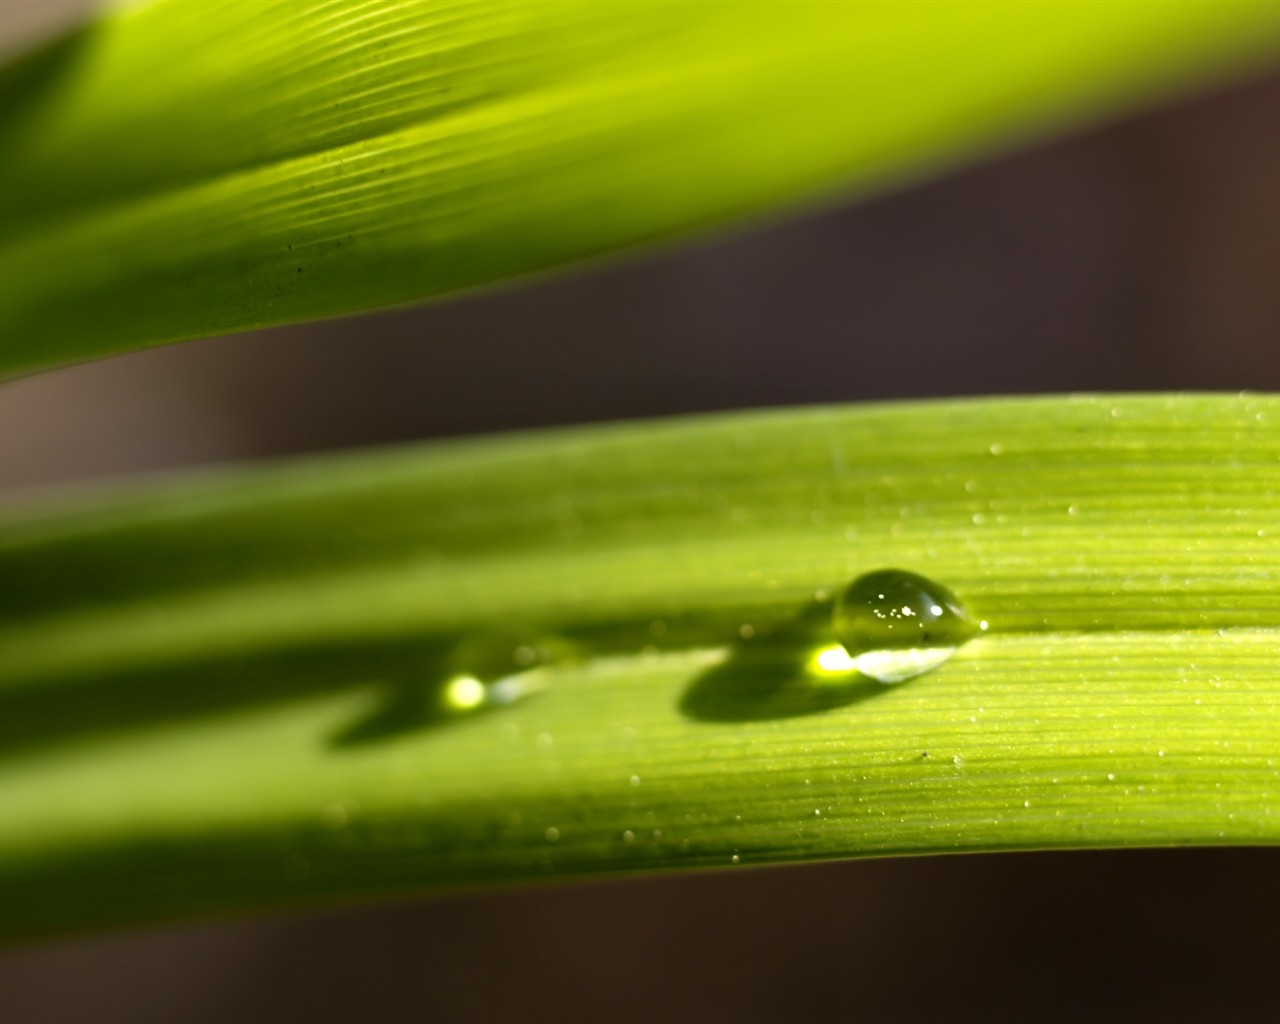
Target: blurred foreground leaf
pixel 251 688
pixel 182 169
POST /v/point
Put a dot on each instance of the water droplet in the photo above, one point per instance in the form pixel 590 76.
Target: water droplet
pixel 628 836
pixel 544 741
pixel 735 859
pixel 492 668
pixel 482 671
pixel 894 625
pixel 635 780
pixel 552 834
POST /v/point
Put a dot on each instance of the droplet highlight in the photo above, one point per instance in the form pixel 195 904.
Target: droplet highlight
pixel 462 693
pixel 894 625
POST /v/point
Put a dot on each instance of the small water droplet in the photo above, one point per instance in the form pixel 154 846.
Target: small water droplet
pixel 552 834
pixel 746 631
pixel 544 741
pixel 635 780
pixel 735 859
pixel 499 667
pixel 628 836
pixel 895 625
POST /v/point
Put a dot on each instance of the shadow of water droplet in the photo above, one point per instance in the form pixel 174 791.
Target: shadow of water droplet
pixel 405 707
pixel 93 701
pixel 771 675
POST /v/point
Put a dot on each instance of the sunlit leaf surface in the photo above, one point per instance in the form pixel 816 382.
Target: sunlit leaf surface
pixel 594 651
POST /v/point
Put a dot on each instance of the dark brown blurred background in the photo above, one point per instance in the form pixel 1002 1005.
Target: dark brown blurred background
pixel 1142 255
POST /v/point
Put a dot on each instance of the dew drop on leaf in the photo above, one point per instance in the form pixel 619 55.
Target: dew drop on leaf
pixel 895 625
pixel 488 669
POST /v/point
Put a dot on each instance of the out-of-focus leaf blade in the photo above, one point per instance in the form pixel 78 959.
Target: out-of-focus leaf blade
pixel 191 168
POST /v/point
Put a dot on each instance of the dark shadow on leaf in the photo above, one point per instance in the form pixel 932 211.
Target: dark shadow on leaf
pixel 117 702
pixel 29 87
pixel 768 675
pixel 406 707
pixel 31 78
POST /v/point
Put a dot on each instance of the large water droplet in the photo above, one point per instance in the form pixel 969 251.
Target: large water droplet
pixel 895 625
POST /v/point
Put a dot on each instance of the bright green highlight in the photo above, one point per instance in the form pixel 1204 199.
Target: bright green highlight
pixel 250 695
pixel 464 693
pixel 189 168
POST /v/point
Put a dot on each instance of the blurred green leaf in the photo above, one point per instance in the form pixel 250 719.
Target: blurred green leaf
pixel 182 169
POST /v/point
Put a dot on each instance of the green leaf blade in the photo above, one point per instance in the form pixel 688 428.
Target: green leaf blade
pixel 311 160
pixel 204 724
